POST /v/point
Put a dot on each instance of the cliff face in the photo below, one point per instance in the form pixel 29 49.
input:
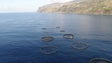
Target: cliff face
pixel 84 7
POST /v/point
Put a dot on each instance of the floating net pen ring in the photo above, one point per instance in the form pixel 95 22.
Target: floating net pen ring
pixel 80 46
pixel 47 38
pixel 44 28
pixel 99 60
pixel 49 49
pixel 62 30
pixel 58 27
pixel 68 36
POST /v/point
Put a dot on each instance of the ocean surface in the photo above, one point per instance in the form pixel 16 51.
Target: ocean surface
pixel 21 33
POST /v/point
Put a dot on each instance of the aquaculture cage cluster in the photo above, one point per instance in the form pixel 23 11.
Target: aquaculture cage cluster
pixel 79 46
pixel 54 49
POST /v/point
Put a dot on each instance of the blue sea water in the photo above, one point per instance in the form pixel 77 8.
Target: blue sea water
pixel 20 37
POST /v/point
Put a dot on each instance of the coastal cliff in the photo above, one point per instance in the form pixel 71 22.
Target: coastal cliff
pixel 83 7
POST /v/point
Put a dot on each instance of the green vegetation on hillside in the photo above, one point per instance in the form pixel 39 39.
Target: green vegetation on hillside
pixel 84 7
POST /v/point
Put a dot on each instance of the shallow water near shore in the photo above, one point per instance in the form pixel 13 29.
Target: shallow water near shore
pixel 20 37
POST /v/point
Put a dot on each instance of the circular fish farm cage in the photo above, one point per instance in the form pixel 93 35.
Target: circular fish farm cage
pixel 46 32
pixel 49 49
pixel 58 27
pixel 100 60
pixel 80 46
pixel 47 39
pixel 62 30
pixel 68 36
pixel 44 28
